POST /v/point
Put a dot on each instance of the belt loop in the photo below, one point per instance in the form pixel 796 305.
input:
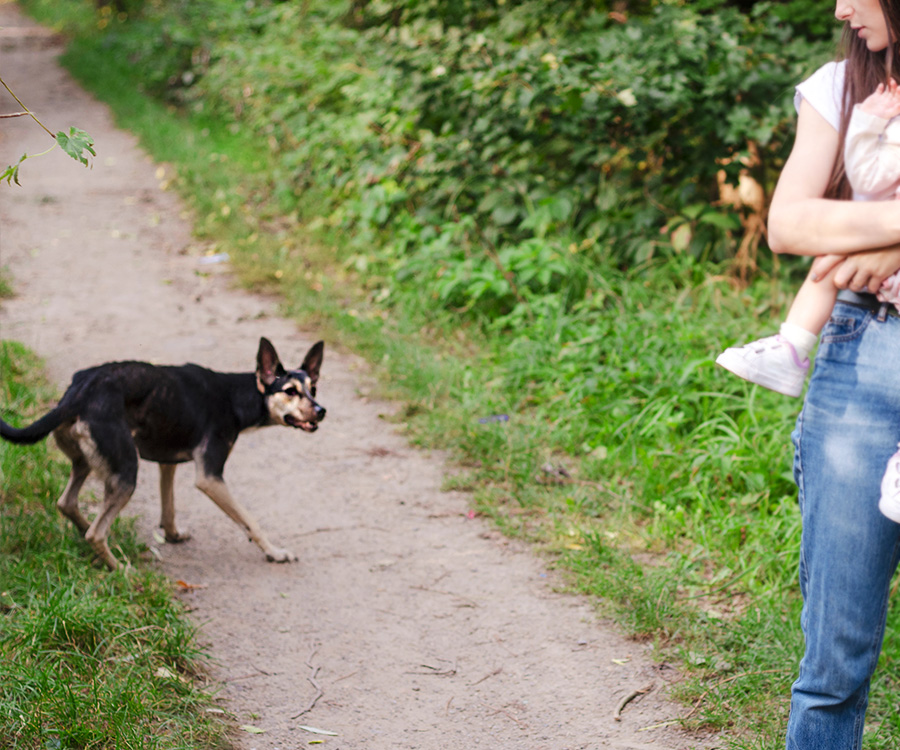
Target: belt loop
pixel 882 312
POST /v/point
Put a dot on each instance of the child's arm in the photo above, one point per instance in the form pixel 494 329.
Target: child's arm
pixel 872 147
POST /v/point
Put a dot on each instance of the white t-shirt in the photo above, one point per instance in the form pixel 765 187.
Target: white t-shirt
pixel 823 90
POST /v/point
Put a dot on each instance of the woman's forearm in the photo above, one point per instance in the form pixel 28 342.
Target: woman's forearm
pixel 802 221
pixel 819 226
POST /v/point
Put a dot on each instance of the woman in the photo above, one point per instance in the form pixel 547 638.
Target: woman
pixel 850 423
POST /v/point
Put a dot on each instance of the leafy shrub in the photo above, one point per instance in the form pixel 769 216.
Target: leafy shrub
pixel 495 152
pixel 497 163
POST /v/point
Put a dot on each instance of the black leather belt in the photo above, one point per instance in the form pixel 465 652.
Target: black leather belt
pixel 867 301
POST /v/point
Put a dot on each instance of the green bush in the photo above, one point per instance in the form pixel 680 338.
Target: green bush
pixel 495 152
pixel 495 165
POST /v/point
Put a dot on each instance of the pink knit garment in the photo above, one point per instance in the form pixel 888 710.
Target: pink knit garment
pixel 890 290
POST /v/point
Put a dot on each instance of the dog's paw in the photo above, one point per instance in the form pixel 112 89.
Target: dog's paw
pixel 281 556
pixel 177 537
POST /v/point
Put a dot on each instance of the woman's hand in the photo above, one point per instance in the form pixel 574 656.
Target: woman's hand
pixel 862 272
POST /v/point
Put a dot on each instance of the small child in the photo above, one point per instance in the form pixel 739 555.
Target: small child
pixel 781 362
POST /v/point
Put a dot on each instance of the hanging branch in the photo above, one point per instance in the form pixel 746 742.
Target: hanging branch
pixel 75 143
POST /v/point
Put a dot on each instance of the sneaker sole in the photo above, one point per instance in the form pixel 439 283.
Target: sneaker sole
pixel 738 366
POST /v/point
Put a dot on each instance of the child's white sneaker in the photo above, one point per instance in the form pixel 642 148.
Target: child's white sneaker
pixel 771 362
pixel 890 489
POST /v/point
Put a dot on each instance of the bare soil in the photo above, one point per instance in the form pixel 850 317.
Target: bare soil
pixel 405 623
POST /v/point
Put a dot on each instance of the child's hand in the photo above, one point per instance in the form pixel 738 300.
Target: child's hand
pixel 884 102
pixel 862 272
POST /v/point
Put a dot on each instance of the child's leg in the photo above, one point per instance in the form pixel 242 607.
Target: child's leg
pixel 812 306
pixel 809 313
pixel 781 362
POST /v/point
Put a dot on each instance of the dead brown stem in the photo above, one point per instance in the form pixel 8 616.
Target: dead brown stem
pixel 312 681
pixel 617 715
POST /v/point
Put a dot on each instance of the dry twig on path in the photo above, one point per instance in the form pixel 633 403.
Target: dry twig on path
pixel 258 673
pixel 507 714
pixel 312 681
pixel 497 671
pixel 437 671
pixel 466 601
pixel 630 697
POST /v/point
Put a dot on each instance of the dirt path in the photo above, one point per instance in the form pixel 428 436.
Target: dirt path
pixel 423 628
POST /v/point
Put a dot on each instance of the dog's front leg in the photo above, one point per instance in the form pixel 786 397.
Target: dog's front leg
pixel 167 499
pixel 217 491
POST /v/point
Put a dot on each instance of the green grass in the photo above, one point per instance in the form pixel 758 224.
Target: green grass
pixel 6 288
pixel 660 485
pixel 88 659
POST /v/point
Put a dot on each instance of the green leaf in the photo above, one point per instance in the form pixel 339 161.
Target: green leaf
pixel 694 210
pixel 722 221
pixel 11 174
pixel 76 143
pixel 505 214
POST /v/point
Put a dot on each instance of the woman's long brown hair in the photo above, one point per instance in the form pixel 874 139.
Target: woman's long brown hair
pixel 865 70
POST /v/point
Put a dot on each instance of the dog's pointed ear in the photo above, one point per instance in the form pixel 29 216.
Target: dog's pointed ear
pixel 312 363
pixel 268 365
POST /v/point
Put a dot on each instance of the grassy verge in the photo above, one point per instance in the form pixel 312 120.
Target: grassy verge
pixel 88 659
pixel 609 440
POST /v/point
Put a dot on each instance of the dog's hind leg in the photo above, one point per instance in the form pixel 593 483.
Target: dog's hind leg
pixel 167 498
pixel 68 501
pixel 117 461
pixel 118 492
pixel 216 489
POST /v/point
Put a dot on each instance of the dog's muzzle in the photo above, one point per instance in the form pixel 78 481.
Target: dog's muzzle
pixel 307 425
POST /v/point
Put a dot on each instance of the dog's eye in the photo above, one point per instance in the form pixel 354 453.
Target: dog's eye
pixel 291 391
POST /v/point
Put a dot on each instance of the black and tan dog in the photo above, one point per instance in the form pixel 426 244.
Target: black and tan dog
pixel 112 413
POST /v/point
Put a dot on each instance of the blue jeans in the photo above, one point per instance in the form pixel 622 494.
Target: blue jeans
pixel 849 427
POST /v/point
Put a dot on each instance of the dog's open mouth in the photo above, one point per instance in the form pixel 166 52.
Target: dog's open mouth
pixel 300 424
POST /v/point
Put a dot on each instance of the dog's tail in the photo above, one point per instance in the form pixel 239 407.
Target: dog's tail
pixel 34 432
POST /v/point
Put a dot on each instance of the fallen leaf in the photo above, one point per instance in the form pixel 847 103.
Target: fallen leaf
pixel 252 730
pixel 318 731
pixel 167 674
pixel 189 586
